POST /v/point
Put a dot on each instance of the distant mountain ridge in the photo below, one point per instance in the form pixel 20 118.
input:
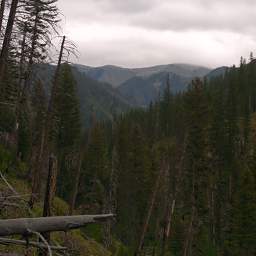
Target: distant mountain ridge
pixel 112 75
pixel 136 87
pixel 116 76
pixel 140 86
pixel 217 72
pixel 185 70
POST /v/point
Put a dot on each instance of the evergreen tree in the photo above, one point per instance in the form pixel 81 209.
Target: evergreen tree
pixel 68 130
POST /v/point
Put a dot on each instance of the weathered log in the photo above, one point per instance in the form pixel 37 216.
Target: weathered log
pixel 9 254
pixel 7 241
pixel 48 224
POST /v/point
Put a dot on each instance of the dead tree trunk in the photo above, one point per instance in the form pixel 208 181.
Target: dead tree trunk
pixel 111 200
pixel 24 226
pixel 44 138
pixel 52 170
pixel 9 254
pixel 36 185
pixel 49 145
pixel 164 169
pixel 2 9
pixel 167 229
pixel 76 185
pixel 56 75
pixel 49 195
pixel 50 187
pixel 7 37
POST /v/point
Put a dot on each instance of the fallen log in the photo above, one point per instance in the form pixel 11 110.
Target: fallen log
pixel 24 226
pixel 9 254
pixel 6 241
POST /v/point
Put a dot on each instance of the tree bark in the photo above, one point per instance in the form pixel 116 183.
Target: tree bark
pixel 36 185
pixel 76 185
pixel 56 75
pixel 49 196
pixel 111 199
pixel 50 187
pixel 7 37
pixel 2 9
pixel 9 254
pixel 23 226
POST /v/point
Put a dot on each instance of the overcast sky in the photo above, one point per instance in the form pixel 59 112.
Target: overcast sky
pixel 136 33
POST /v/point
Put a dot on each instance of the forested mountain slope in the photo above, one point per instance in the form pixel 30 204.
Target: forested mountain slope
pixel 184 169
pixel 140 86
pixel 141 91
pixel 175 178
pixel 116 76
pixel 95 97
pixel 109 74
pixel 179 175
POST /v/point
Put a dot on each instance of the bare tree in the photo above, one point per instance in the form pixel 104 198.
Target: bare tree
pixel 76 185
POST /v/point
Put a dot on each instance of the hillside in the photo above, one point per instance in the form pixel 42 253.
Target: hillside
pixel 116 76
pixel 109 74
pixel 77 241
pixel 94 96
pixel 140 86
pixel 141 90
pixel 98 97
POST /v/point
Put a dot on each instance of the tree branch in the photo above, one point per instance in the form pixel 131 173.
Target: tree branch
pixel 7 241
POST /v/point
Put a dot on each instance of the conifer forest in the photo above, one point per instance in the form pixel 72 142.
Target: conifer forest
pixel 84 171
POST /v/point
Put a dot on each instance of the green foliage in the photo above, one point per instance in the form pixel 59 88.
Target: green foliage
pixel 67 132
pixel 94 231
pixel 208 136
pixel 122 251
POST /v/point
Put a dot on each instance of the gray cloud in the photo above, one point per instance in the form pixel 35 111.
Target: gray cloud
pixel 141 32
pixel 216 16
